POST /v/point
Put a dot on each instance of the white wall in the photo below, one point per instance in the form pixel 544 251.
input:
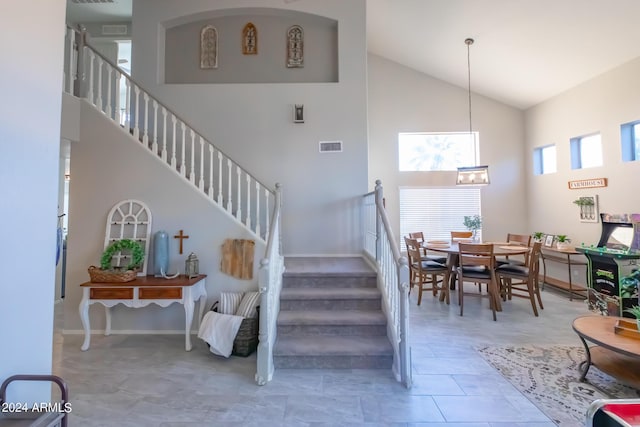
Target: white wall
pixel 30 84
pixel 404 100
pixel 599 105
pixel 253 123
pixel 107 166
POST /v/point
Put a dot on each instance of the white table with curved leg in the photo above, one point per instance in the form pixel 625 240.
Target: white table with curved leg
pixel 140 293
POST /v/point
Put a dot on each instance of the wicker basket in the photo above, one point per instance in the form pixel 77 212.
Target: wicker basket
pixel 98 275
pixel 246 341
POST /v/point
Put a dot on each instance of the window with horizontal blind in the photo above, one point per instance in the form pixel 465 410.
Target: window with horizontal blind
pixel 436 211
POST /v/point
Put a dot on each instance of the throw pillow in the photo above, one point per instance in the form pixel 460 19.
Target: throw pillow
pixel 247 307
pixel 229 302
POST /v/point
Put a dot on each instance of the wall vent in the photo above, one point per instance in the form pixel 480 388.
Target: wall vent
pixel 114 30
pixel 91 1
pixel 330 146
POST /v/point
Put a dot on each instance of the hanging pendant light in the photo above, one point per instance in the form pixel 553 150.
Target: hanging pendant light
pixel 471 175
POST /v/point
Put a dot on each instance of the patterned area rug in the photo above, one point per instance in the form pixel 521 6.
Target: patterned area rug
pixel 548 377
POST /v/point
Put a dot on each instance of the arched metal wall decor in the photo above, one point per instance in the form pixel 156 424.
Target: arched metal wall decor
pixel 295 47
pixel 250 39
pixel 209 47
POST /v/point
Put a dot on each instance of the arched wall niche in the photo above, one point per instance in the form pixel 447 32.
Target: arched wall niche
pixel 181 39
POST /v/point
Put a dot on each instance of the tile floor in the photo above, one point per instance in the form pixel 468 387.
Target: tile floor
pixel 149 380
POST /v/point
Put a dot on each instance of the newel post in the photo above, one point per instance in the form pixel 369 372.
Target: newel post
pixel 79 89
pixel 379 204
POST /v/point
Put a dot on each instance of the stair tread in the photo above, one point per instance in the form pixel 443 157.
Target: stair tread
pixel 327 267
pixel 331 317
pixel 314 345
pixel 329 293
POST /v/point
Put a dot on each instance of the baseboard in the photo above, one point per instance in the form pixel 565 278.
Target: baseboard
pixel 126 332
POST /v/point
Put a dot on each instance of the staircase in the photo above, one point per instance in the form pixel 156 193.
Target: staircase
pixel 331 316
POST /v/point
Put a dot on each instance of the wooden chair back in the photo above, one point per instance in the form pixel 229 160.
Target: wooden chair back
pixel 461 235
pixel 476 254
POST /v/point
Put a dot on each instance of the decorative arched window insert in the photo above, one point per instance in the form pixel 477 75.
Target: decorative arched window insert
pixel 129 219
pixel 249 39
pixel 295 47
pixel 208 47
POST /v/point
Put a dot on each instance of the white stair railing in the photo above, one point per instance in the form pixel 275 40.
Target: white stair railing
pixel 270 285
pixel 90 75
pixel 381 247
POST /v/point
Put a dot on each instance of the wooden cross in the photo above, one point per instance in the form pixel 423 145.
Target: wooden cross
pixel 180 236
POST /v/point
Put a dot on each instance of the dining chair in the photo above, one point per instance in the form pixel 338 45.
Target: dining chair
pixel 427 275
pixel 522 280
pixel 455 235
pixel 476 264
pixel 516 239
pixel 419 237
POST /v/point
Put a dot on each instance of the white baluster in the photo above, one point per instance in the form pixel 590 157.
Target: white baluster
pixel 220 178
pixel 229 197
pixel 145 136
pixel 183 168
pixel 173 150
pixel 99 85
pixel 266 214
pixel 117 98
pixel 257 208
pixel 155 127
pixel 211 171
pixel 136 102
pixel 127 105
pixel 164 134
pixel 239 199
pixel 247 221
pixel 108 109
pixel 192 173
pixel 91 57
pixel 201 182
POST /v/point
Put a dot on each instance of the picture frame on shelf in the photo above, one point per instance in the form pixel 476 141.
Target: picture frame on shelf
pixel 548 240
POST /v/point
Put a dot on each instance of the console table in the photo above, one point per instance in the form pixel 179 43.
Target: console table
pixel 140 293
pixel 562 256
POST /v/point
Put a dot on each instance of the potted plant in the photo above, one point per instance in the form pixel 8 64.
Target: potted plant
pixel 473 224
pixel 538 236
pixel 635 310
pixel 584 201
pixel 130 250
pixel 563 242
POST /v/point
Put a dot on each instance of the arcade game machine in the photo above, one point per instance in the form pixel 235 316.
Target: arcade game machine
pixel 613 265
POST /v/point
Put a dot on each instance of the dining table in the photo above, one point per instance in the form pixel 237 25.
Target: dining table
pixel 452 249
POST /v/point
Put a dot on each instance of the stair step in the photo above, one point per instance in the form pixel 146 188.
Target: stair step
pixel 332 272
pixel 328 322
pixel 341 352
pixel 330 317
pixel 330 299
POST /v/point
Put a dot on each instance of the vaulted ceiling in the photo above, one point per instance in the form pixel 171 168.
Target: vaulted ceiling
pixel 525 51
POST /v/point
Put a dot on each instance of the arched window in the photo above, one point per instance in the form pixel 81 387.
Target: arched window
pixel 208 47
pixel 249 39
pixel 295 47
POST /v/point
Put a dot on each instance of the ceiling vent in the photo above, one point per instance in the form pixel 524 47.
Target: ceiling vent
pixel 114 30
pixel 330 146
pixel 91 1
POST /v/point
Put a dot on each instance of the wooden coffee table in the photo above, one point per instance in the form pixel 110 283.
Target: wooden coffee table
pixel 613 354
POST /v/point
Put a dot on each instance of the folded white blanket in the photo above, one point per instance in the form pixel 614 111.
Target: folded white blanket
pixel 219 331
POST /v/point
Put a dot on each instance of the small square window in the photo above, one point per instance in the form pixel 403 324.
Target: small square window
pixel 544 160
pixel 630 140
pixel 586 151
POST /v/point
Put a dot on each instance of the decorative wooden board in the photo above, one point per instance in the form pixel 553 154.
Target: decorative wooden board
pixel 237 258
pixel 627 328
